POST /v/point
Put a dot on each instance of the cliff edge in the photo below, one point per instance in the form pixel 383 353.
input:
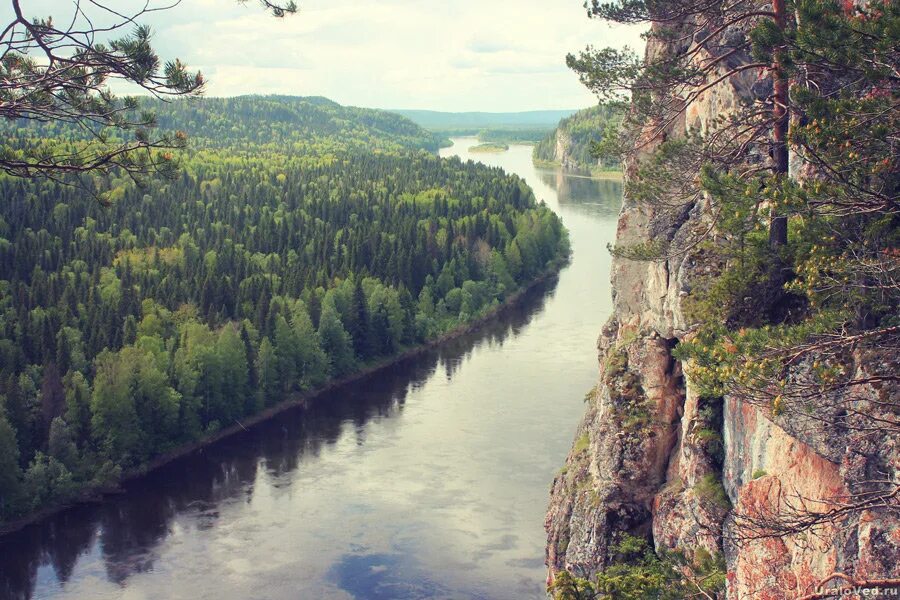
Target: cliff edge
pixel 654 458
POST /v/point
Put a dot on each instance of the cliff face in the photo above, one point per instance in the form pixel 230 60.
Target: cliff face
pixel 570 144
pixel 653 457
pixel 563 151
pixel 560 148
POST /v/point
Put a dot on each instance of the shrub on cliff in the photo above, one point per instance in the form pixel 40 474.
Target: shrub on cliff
pixel 638 573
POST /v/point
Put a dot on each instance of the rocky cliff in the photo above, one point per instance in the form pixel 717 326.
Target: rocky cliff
pixel 558 148
pixel 652 457
pixel 570 144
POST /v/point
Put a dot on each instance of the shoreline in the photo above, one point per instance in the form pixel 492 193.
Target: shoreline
pixel 297 400
pixel 596 175
pixel 489 148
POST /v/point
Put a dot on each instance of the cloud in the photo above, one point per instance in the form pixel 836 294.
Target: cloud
pixel 487 47
pixel 497 55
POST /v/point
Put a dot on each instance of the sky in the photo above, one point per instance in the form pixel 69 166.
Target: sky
pixel 449 55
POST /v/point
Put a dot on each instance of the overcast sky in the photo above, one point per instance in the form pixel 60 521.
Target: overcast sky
pixel 453 55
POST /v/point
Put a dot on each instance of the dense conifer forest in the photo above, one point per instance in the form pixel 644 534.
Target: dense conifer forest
pixel 297 242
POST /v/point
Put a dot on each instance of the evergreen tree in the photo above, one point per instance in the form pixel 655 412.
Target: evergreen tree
pixel 359 326
pixel 287 348
pixel 19 417
pixel 311 361
pixel 114 421
pixel 270 386
pixel 251 396
pixel 78 407
pixel 336 342
pixel 129 330
pixel 235 373
pixel 61 445
pixel 53 396
pixel 70 353
pixel 10 472
pixel 63 352
pixel 63 74
pixel 314 306
pixel 155 402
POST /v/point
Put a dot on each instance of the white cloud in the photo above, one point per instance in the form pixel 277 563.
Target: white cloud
pixel 498 55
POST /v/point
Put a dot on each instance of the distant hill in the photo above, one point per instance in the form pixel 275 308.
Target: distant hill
pixel 264 119
pixel 272 120
pixel 441 121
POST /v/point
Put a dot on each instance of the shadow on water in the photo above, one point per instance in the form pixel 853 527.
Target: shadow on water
pixel 384 577
pixel 593 197
pixel 126 530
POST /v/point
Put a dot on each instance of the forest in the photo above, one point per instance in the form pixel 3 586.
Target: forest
pixel 512 136
pixel 297 241
pixel 587 135
pixel 279 122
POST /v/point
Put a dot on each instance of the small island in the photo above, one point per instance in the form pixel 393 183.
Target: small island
pixel 490 147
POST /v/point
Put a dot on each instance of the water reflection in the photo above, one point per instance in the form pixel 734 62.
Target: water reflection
pixel 127 529
pixel 384 577
pixel 596 197
pixel 428 480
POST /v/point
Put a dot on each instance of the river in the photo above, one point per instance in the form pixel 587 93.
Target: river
pixel 428 480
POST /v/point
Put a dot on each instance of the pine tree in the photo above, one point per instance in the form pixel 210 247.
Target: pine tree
pixel 10 472
pixel 314 305
pixel 78 407
pixel 63 352
pixel 286 351
pixel 252 375
pixel 62 74
pixel 312 363
pixel 114 421
pixel 802 311
pixel 359 326
pixel 18 415
pixel 61 444
pixel 53 396
pixel 232 355
pixel 129 330
pixel 336 342
pixel 269 390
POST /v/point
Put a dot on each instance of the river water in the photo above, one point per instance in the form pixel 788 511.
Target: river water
pixel 428 480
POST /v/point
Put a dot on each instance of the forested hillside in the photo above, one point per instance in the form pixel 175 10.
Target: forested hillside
pixel 512 136
pixel 577 142
pixel 288 122
pixel 298 242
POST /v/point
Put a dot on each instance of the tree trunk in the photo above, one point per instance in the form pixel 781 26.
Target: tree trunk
pixel 778 223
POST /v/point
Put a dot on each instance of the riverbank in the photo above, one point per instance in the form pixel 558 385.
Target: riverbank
pixel 595 173
pixel 99 494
